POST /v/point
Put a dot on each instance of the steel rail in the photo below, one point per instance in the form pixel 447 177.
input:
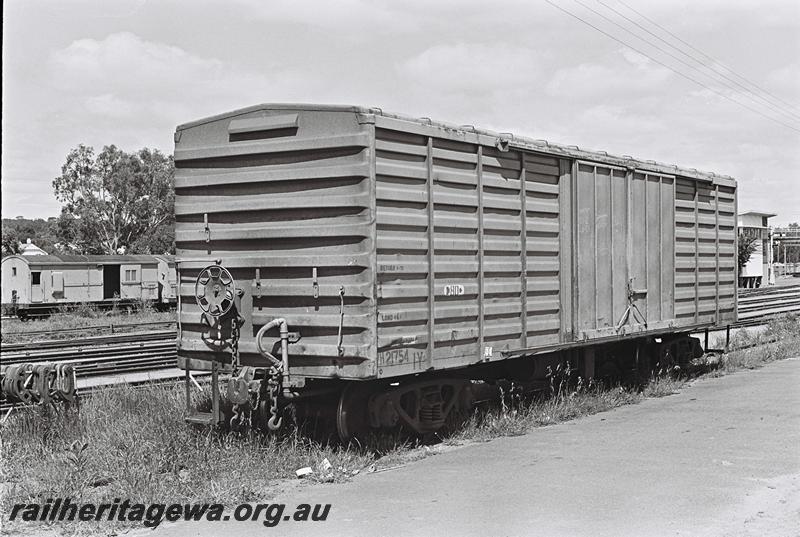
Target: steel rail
pixel 112 327
pixel 88 341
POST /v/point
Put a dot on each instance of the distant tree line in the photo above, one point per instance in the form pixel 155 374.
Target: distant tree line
pixel 40 231
pixel 112 202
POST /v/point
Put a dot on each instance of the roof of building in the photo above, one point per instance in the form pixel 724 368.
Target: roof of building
pixel 757 213
pixel 28 248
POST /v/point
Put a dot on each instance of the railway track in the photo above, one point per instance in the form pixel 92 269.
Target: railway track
pixel 146 356
pixel 100 355
pixel 758 305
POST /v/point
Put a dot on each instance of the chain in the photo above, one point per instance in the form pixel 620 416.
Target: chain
pixel 235 343
pixel 254 406
pixel 235 418
pixel 238 418
pixel 247 419
pixel 274 386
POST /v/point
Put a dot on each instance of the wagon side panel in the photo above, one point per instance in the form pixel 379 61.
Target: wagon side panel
pixel 547 250
pixel 725 203
pixel 404 266
pixel 705 220
pixel 468 246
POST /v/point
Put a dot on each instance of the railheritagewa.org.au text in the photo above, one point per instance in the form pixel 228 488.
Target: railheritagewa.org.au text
pixel 153 514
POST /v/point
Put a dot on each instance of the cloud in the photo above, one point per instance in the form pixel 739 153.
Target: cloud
pixel 623 120
pixel 124 61
pixel 126 76
pixel 111 106
pixel 625 74
pixel 350 13
pixel 638 60
pixel 472 68
pixel 786 80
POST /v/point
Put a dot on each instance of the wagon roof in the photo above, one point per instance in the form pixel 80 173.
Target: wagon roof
pixel 36 259
pixel 543 146
pixel 65 259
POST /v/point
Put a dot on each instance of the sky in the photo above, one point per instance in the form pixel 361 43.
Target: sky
pixel 127 72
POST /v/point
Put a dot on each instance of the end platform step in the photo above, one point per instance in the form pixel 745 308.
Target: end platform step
pixel 201 418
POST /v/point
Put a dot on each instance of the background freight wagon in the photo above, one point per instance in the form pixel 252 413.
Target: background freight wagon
pixel 38 283
pixel 396 245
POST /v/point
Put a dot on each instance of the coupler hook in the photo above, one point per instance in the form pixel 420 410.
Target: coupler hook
pixel 277 370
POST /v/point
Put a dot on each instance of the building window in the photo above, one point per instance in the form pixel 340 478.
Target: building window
pixel 36 278
pixel 130 275
pixel 13 271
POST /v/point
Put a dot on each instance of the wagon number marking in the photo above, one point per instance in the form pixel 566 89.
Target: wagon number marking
pixel 453 290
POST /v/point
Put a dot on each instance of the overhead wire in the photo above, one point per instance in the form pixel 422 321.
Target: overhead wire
pixel 773 108
pixel 714 60
pixel 674 70
pixel 774 105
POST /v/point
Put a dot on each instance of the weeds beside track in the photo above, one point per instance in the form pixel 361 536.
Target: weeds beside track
pixel 82 322
pixel 748 350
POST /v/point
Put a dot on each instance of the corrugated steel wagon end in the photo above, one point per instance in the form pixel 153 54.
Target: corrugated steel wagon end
pixel 390 260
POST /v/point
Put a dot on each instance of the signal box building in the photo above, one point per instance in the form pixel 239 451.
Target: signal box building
pixel 758 270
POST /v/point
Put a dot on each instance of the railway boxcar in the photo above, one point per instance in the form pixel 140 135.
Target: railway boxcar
pixel 40 283
pixel 399 255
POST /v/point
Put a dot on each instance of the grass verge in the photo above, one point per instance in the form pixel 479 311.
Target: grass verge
pixel 132 443
pixel 88 319
pixel 748 350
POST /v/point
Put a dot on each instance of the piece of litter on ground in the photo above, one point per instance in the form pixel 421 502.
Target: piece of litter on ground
pixel 302 472
pixel 371 468
pixel 101 482
pixel 325 465
pixel 390 468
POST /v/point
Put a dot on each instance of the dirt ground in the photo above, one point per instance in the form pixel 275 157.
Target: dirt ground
pixel 720 458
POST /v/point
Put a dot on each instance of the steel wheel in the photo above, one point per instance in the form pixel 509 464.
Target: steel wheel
pixel 352 423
